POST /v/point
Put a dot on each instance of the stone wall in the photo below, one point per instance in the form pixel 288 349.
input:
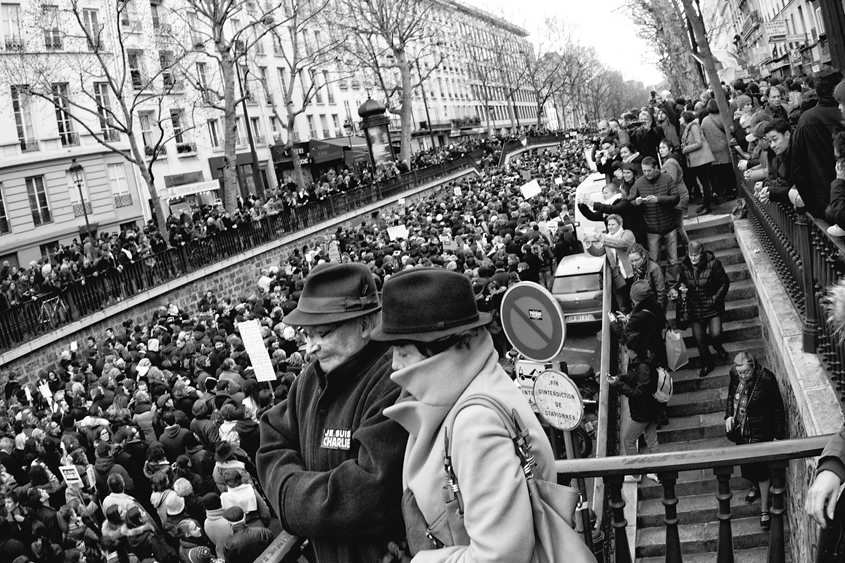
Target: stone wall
pixel 235 276
pixel 810 401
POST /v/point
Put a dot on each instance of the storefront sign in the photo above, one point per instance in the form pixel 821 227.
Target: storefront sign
pixel 190 189
pixel 775 29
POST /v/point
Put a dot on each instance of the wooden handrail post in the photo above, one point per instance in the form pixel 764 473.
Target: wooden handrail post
pixel 621 549
pixel 805 250
pixel 670 507
pixel 777 553
pixel 726 548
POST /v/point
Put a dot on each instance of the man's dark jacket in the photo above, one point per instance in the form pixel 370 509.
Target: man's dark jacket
pixel 330 462
pixel 813 160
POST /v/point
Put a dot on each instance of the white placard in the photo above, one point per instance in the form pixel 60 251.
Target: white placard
pixel 397 232
pixel 558 181
pixel 401 201
pixel 457 191
pixel 558 400
pixel 71 475
pixel 334 251
pixel 257 352
pixel 530 189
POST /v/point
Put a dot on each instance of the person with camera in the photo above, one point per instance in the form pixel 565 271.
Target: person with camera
pixel 754 413
pixel 606 156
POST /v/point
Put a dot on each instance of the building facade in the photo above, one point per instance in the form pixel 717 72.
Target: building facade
pixel 155 61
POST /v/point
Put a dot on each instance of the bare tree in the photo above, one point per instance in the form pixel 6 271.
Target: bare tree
pixel 305 50
pixel 661 24
pixel 100 81
pixel 227 31
pixel 389 40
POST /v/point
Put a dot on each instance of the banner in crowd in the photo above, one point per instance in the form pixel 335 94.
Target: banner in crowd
pixel 257 351
pixel 397 232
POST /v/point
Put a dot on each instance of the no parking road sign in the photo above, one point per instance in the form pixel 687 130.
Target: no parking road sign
pixel 533 322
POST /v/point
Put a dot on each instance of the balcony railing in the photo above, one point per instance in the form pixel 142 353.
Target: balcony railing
pixel 111 135
pixel 69 139
pixel 184 149
pixel 80 209
pixel 122 200
pixel 94 293
pixel 29 145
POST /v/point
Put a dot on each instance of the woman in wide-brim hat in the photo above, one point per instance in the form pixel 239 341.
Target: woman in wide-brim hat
pixel 442 353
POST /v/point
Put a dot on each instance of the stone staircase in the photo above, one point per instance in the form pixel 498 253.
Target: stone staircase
pixel 696 414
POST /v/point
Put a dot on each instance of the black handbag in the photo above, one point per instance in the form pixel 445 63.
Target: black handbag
pixel 681 313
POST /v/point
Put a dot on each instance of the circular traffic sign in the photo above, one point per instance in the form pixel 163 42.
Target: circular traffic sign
pixel 558 400
pixel 533 321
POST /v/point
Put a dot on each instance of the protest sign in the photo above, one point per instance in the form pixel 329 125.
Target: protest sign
pixel 558 181
pixel 334 251
pixel 397 232
pixel 457 191
pixel 530 189
pixel 256 350
pixel 71 475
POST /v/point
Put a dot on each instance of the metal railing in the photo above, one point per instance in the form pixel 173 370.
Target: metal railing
pixel 667 466
pixel 95 292
pixel 807 261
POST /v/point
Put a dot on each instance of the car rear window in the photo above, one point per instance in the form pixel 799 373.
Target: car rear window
pixel 577 284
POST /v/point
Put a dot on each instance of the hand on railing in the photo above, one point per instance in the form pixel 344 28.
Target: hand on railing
pixel 822 497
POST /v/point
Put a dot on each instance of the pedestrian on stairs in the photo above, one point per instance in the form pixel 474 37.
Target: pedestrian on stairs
pixel 754 413
pixel 707 286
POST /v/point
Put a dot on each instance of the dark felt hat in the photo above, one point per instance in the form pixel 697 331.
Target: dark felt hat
pixel 225 451
pixel 335 293
pixel 426 304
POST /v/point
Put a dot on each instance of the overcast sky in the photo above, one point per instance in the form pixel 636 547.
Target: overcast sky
pixel 600 23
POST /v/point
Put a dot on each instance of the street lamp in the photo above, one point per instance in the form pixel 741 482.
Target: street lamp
pixel 78 176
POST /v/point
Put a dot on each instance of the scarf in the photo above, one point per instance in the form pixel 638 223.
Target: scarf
pixel 623 265
pixel 741 398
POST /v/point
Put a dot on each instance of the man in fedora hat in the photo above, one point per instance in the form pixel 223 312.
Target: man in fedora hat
pixel 330 462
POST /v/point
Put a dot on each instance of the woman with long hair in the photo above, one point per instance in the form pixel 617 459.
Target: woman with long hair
pixel 699 157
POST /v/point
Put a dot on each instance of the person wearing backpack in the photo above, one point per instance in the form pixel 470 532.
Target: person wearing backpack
pixel 642 414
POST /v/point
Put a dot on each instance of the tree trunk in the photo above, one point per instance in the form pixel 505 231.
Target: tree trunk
pixel 160 215
pixel 710 69
pixel 230 133
pixel 406 109
pixel 294 155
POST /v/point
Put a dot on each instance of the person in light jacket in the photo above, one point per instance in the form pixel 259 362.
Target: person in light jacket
pixel 722 179
pixel 699 158
pixel 442 354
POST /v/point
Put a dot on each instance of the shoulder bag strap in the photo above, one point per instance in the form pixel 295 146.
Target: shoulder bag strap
pixel 513 425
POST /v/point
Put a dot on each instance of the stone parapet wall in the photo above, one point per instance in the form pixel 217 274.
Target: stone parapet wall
pixel 235 276
pixel 810 401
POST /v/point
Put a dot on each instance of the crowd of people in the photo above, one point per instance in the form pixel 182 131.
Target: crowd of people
pixel 155 441
pixel 140 443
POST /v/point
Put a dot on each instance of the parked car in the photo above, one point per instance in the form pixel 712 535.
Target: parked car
pixel 577 286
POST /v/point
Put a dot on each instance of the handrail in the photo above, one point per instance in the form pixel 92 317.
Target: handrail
pixel 598 496
pixel 515 146
pixel 693 459
pixel 281 549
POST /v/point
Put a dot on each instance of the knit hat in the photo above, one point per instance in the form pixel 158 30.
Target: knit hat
pixel 161 402
pixel 742 100
pixel 234 514
pixel 211 501
pixel 200 555
pixel 182 487
pixel 641 291
pixel 144 366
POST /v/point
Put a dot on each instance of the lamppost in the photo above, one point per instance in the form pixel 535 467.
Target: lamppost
pixel 78 176
pixel 258 181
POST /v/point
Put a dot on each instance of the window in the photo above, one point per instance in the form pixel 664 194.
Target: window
pixel 196 37
pixel 93 28
pixel 176 119
pixel 136 68
pixel 336 122
pixel 202 78
pixel 327 86
pixel 312 130
pixel 12 259
pixel 257 135
pixel 318 94
pixel 63 119
pixel 325 123
pixel 283 82
pixel 52 32
pixel 165 59
pixel 274 124
pixel 145 120
pixel 80 206
pixel 101 96
pixel 277 45
pixel 38 204
pixel 119 185
pixel 156 18
pixel 262 79
pixel 23 119
pixel 240 131
pixel 10 16
pixel 4 219
pixel 259 47
pixel 213 133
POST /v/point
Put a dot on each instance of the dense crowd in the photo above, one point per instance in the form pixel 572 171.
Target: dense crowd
pixel 139 443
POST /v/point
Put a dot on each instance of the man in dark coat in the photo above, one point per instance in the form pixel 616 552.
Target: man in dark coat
pixel 657 196
pixel 330 462
pixel 813 160
pixel 247 542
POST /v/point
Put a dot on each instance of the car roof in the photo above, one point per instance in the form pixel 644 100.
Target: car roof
pixel 576 264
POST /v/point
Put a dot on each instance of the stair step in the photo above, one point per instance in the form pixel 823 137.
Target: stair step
pixel 730 256
pixel 737 272
pixel 702 537
pixel 754 346
pixel 690 483
pixel 697 402
pixel 703 444
pixel 742 329
pixel 694 509
pixel 717 241
pixel 693 427
pixel 736 310
pixel 753 555
pixel 708 226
